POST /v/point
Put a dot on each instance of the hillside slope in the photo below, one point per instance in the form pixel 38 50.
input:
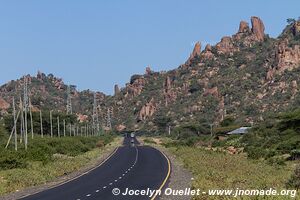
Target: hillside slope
pixel 246 76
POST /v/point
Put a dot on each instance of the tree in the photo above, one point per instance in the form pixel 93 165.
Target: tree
pixel 290 21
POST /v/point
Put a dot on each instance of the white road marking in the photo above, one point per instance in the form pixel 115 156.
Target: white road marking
pixel 97 191
pixel 110 184
pixel 88 195
pixel 120 177
pixel 116 180
pixel 104 187
pixel 123 175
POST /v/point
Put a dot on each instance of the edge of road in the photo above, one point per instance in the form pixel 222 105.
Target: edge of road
pixel 167 176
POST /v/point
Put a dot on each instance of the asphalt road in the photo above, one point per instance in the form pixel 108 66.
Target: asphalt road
pixel 131 166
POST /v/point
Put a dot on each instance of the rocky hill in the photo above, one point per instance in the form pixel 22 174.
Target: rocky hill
pixel 246 76
pixel 48 92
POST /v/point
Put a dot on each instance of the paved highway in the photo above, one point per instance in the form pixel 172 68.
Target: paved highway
pixel 130 166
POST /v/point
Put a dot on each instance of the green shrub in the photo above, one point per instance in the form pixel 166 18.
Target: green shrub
pixel 294 181
pixel 10 160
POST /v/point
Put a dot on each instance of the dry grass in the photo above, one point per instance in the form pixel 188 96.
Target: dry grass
pixel 216 170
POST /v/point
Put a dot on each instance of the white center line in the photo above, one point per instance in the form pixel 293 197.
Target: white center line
pixel 110 184
pixel 97 191
pixel 104 187
pixel 88 195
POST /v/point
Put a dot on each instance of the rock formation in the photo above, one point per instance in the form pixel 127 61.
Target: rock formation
pixel 120 127
pixel 287 57
pixel 244 27
pixel 136 87
pixel 3 104
pixel 147 110
pixel 213 91
pixel 196 52
pixel 169 93
pixel 226 45
pixel 148 71
pixel 207 53
pixel 258 28
pixel 117 89
pixel 296 28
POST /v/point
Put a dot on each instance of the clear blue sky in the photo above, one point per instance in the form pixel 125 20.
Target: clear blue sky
pixel 97 43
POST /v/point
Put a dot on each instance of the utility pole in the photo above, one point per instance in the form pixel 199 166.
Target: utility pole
pixel 58 127
pixel 64 128
pixel 95 116
pixel 70 127
pixel 13 131
pixel 51 128
pixel 31 122
pixel 108 118
pixel 41 123
pixel 15 125
pixel 22 121
pixel 211 129
pixel 69 101
pixel 25 103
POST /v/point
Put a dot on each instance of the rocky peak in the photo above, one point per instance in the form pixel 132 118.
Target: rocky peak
pixel 207 54
pixel 196 52
pixel 117 89
pixel 258 28
pixel 148 70
pixel 244 27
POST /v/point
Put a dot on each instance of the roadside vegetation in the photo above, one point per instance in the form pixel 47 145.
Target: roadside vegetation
pixel 47 159
pixel 268 156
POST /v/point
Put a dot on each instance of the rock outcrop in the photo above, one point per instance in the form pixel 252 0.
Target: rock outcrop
pixel 244 27
pixel 225 46
pixel 207 53
pixel 212 91
pixel 296 28
pixel 148 71
pixel 169 93
pixel 136 87
pixel 120 127
pixel 287 57
pixel 117 89
pixel 147 110
pixel 196 52
pixel 258 28
pixel 3 104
